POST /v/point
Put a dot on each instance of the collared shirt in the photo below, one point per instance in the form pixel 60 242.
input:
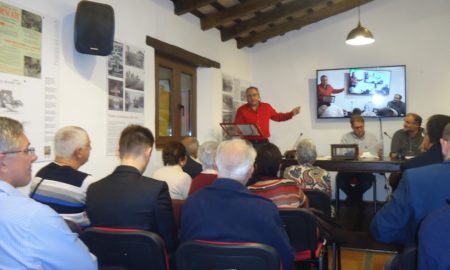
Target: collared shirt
pixel 405 144
pixel 326 91
pixel 260 117
pixel 367 143
pixel 33 236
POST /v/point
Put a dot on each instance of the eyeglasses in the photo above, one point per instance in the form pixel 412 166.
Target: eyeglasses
pixel 29 151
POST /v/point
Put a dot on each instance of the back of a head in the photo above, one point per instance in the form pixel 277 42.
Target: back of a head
pixel 306 152
pixel 135 140
pixel 435 127
pixel 235 159
pixel 268 160
pixel 173 152
pixel 68 139
pixel 191 145
pixel 207 154
pixel 10 130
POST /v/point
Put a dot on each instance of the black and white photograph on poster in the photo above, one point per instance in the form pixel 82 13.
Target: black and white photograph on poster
pixel 134 101
pixel 227 103
pixel 9 103
pixel 134 79
pixel 32 67
pixel 31 21
pixel 115 60
pixel 115 95
pixel 227 83
pixel 134 57
pixel 115 88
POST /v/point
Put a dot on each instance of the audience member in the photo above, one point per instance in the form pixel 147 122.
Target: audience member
pixel 174 158
pixel 434 128
pixel 33 236
pixel 355 184
pixel 207 156
pixel 434 236
pixel 285 193
pixel 421 191
pixel 59 184
pixel 192 167
pixel 126 198
pixel 407 141
pixel 397 104
pixel 308 176
pixel 227 211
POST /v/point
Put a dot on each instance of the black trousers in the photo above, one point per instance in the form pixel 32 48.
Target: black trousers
pixel 354 184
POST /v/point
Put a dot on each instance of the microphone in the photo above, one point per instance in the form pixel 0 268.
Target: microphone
pixel 296 141
pixel 290 154
pixel 387 135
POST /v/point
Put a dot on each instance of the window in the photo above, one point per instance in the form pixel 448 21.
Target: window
pixel 175 100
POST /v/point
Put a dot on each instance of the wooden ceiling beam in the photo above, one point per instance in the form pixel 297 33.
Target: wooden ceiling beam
pixel 270 16
pixel 235 12
pixel 300 22
pixel 185 6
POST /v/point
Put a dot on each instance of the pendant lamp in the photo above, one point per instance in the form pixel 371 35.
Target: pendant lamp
pixel 359 35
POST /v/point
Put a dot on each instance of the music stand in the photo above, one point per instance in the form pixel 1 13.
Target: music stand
pixel 232 129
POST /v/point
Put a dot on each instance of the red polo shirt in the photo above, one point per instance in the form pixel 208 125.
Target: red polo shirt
pixel 327 91
pixel 261 116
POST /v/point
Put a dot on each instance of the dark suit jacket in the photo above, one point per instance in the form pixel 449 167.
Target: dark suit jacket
pixel 192 167
pixel 227 211
pixel 126 199
pixel 421 191
pixel 432 156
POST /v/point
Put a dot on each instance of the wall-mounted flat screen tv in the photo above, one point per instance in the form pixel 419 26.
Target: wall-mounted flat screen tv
pixel 368 91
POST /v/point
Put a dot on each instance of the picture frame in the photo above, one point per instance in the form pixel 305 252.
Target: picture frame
pixel 344 151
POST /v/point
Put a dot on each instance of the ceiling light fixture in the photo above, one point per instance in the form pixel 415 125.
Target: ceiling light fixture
pixel 360 35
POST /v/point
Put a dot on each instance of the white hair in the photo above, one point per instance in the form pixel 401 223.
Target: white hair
pixel 207 154
pixel 235 159
pixel 306 151
pixel 68 139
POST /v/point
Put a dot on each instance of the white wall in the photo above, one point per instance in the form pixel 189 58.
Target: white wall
pixel 83 95
pixel 406 32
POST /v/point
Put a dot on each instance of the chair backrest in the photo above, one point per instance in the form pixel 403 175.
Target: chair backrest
pixel 127 248
pixel 176 207
pixel 206 255
pixel 319 200
pixel 301 227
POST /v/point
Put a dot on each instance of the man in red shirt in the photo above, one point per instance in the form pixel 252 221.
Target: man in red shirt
pixel 259 113
pixel 326 90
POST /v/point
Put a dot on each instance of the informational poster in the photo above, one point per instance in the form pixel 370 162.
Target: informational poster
pixel 126 81
pixel 28 89
pixel 20 41
pixel 233 96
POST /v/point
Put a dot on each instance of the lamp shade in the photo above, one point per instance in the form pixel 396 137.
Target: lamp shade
pixel 360 36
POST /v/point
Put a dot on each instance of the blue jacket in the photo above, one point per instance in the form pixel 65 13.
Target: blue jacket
pixel 421 191
pixel 226 211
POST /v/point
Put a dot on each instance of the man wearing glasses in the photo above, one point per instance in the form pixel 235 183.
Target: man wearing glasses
pixel 33 236
pixel 60 184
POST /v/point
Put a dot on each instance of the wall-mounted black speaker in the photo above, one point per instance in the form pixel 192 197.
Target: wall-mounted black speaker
pixel 94 28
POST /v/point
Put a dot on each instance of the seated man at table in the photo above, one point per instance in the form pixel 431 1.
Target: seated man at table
pixel 355 184
pixel 407 141
pixel 227 212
